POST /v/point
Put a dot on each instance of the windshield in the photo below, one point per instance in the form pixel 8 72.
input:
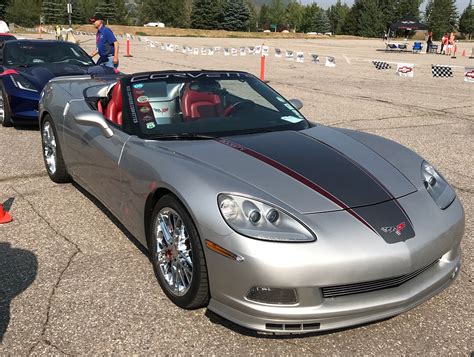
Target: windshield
pixel 4 38
pixel 26 54
pixel 208 103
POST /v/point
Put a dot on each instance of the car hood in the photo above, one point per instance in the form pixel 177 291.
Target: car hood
pixel 315 170
pixel 39 75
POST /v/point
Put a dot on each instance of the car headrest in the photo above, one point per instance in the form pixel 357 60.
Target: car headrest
pixel 205 86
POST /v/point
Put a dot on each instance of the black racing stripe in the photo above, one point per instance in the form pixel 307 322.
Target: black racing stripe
pixel 389 219
pixel 332 174
pixel 320 164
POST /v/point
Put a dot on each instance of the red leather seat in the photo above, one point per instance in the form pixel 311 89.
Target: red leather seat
pixel 197 104
pixel 113 111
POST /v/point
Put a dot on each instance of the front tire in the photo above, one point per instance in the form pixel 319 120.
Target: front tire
pixel 177 255
pixel 52 154
pixel 6 118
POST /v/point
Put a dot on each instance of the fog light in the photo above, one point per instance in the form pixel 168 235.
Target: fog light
pixel 274 296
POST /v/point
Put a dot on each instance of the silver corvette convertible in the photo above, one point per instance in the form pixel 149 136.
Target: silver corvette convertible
pixel 273 222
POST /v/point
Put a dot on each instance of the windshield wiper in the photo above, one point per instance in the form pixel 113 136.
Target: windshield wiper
pixel 182 136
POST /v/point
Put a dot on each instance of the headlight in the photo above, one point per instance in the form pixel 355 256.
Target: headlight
pixel 259 220
pixel 22 83
pixel 441 192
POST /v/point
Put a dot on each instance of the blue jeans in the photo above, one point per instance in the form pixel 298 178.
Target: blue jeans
pixel 107 62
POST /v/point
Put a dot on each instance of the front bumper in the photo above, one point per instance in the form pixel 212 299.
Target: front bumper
pixel 24 106
pixel 348 257
pixel 328 314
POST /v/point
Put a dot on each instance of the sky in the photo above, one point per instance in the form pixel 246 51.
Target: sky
pixel 461 4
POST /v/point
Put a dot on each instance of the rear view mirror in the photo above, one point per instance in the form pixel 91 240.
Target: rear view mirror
pixel 298 104
pixel 95 119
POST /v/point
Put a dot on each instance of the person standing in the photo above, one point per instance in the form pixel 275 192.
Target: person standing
pixel 452 45
pixel 106 42
pixel 429 42
pixel 444 42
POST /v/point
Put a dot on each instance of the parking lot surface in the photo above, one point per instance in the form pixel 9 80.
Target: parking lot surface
pixel 73 281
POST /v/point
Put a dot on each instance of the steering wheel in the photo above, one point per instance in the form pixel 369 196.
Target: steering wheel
pixel 237 106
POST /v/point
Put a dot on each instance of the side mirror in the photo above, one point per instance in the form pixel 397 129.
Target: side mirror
pixel 298 104
pixel 94 119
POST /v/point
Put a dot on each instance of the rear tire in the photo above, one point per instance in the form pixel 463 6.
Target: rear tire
pixel 7 119
pixel 52 155
pixel 177 255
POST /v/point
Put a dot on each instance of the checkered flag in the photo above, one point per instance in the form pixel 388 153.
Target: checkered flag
pixel 381 65
pixel 441 70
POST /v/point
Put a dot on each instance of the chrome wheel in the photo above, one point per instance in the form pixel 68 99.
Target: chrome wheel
pixel 173 250
pixel 49 147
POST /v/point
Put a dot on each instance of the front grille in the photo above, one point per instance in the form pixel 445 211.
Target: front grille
pixel 365 287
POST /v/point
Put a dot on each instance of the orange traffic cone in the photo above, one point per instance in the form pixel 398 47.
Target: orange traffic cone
pixel 4 216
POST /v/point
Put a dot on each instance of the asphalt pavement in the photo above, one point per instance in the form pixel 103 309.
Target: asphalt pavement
pixel 73 281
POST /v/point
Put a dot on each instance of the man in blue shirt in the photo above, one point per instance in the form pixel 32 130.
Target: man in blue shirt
pixel 107 44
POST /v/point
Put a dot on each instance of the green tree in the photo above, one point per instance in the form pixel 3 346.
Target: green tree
pixel 24 12
pixel 88 8
pixel 294 15
pixel 321 22
pixel 121 13
pixel 253 19
pixel 389 12
pixel 77 15
pixel 310 12
pixel 441 17
pixel 107 9
pixel 351 22
pixel 206 14
pixel 174 13
pixel 409 8
pixel 236 15
pixel 337 14
pixel 370 22
pixel 53 11
pixel 277 12
pixel 3 8
pixel 264 17
pixel 466 21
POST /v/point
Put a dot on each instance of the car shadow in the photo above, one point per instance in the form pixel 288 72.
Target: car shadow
pixel 26 127
pixel 18 270
pixel 219 320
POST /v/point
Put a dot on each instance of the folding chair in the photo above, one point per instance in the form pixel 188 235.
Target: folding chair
pixel 417 47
